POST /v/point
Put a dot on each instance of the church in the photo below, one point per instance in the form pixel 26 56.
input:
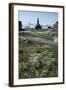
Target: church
pixel 38 26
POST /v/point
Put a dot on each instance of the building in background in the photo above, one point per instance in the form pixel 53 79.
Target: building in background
pixel 38 26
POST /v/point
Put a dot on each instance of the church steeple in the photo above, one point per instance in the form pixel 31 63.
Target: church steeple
pixel 37 21
pixel 38 26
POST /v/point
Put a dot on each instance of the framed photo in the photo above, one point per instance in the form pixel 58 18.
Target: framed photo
pixel 36 44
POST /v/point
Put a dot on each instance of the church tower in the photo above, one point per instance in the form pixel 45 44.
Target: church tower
pixel 38 26
pixel 37 21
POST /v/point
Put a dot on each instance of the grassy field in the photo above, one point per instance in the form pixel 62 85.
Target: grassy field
pixel 38 54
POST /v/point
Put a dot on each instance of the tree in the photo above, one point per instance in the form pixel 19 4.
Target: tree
pixel 20 25
pixel 55 26
pixel 49 27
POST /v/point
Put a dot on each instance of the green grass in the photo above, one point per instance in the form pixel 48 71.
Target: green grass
pixel 36 59
pixel 44 34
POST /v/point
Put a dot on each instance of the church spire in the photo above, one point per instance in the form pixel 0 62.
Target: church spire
pixel 38 26
pixel 37 21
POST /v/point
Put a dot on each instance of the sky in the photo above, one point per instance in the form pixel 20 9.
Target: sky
pixel 45 18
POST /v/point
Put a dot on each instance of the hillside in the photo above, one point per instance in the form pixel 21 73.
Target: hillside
pixel 38 54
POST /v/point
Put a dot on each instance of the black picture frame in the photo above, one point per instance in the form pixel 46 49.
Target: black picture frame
pixel 11 43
